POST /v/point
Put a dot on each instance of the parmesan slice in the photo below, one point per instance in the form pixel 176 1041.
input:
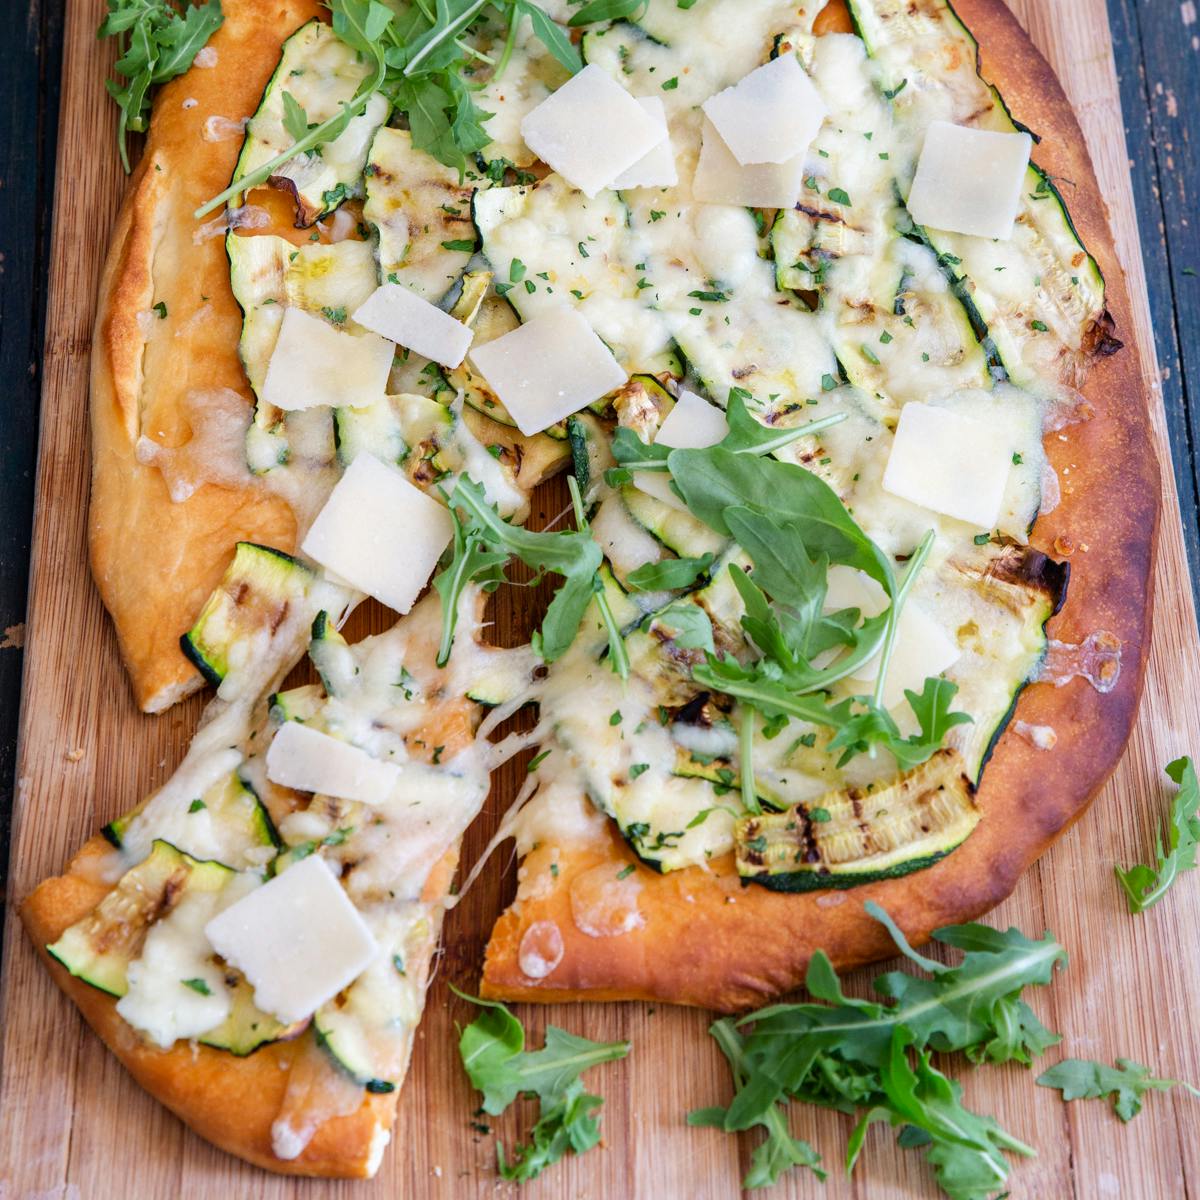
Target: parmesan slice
pixel 298 940
pixel 303 758
pixel 949 463
pixel 404 317
pixel 922 648
pixel 657 167
pixel 692 424
pixel 721 179
pixel 315 364
pixel 548 368
pixel 379 533
pixel 770 115
pixel 590 130
pixel 970 180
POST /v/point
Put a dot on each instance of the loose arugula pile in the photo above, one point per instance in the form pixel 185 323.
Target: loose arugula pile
pixel 419 61
pixel 873 1059
pixel 494 1055
pixel 156 40
pixel 1145 886
pixel 793 527
pixel 484 542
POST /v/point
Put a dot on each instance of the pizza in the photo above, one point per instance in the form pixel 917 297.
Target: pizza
pixel 814 308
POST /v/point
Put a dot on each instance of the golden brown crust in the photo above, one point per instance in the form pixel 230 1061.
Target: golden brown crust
pixel 706 940
pixel 155 561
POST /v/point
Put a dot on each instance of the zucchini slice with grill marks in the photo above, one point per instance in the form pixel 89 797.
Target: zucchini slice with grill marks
pixel 252 600
pixel 856 836
pixel 321 73
pixel 101 948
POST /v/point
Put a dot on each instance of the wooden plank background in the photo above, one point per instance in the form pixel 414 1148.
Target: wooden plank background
pixel 72 1125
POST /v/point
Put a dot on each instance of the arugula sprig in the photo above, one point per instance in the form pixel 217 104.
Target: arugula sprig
pixel 493 1052
pixel 484 542
pixel 156 40
pixel 1125 1084
pixel 416 57
pixel 1145 886
pixel 860 1056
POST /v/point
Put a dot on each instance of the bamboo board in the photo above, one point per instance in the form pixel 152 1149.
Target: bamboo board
pixel 74 1127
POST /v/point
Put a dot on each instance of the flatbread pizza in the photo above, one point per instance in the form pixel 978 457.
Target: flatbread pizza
pixel 849 595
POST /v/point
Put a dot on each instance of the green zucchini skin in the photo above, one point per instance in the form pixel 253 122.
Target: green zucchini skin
pixel 798 882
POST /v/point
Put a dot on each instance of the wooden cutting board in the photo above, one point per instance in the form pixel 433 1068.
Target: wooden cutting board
pixel 73 1125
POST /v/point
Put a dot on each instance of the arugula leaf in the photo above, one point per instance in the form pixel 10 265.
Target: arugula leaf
pixel 470 560
pixel 1125 1084
pixel 1145 886
pixel 872 1058
pixel 669 575
pixel 551 35
pixel 156 42
pixel 609 10
pixel 295 119
pixel 690 625
pixel 493 1053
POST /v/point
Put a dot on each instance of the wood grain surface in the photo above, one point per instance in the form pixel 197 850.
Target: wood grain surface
pixel 72 1125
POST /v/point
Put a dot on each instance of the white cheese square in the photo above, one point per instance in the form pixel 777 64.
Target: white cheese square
pixel 590 130
pixel 410 320
pixel 692 424
pixel 970 180
pixel 315 364
pixel 297 939
pixel 770 115
pixel 721 179
pixel 922 648
pixel 308 760
pixel 950 463
pixel 548 368
pixel 657 167
pixel 379 533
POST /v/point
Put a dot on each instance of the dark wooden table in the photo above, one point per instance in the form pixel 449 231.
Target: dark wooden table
pixel 1157 48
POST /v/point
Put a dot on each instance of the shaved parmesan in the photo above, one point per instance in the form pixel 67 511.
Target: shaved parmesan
pixel 970 180
pixel 315 364
pixel 949 463
pixel 297 939
pixel 656 168
pixel 721 179
pixel 923 648
pixel 848 588
pixel 692 424
pixel 379 533
pixel 590 130
pixel 548 368
pixel 404 317
pixel 770 115
pixel 303 758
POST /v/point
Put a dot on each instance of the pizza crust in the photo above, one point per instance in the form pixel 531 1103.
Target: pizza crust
pixel 199 1084
pixel 154 560
pixel 704 938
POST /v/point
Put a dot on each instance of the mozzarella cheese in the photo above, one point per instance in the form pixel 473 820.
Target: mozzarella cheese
pixel 692 424
pixel 721 179
pixel 656 168
pixel 970 180
pixel 297 939
pixel 303 758
pixel 770 115
pixel 315 364
pixel 590 130
pixel 548 368
pixel 404 317
pixel 379 533
pixel 949 463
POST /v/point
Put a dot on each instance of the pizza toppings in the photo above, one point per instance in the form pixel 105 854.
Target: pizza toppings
pixel 297 939
pixel 379 533
pixel 692 422
pixel 656 168
pixel 549 367
pixel 969 180
pixel 315 363
pixel 591 130
pixel 404 317
pixel 948 462
pixel 770 115
pixel 721 179
pixel 311 761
